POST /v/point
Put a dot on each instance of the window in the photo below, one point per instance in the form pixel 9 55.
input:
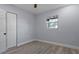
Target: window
pixel 52 23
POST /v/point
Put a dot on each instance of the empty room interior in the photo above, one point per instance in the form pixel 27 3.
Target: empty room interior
pixel 39 29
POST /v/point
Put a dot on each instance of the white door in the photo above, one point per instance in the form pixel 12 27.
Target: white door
pixel 2 31
pixel 11 30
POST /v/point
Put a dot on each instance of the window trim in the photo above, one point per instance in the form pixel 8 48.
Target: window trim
pixel 52 27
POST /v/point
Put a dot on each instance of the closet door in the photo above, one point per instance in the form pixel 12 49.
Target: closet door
pixel 2 31
pixel 11 30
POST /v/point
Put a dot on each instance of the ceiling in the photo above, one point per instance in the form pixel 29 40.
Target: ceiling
pixel 40 7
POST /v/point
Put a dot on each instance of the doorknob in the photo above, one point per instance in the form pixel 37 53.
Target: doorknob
pixel 4 33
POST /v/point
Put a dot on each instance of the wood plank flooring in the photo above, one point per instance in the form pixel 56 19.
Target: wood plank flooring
pixel 37 47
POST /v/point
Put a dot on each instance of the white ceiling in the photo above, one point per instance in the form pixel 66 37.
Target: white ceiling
pixel 41 7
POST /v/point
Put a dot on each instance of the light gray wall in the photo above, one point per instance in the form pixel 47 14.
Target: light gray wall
pixel 68 31
pixel 25 23
pixel 30 26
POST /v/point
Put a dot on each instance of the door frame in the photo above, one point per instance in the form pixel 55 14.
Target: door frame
pixel 16 29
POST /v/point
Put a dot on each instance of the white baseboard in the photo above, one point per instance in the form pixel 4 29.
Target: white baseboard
pixel 50 42
pixel 25 42
pixel 56 43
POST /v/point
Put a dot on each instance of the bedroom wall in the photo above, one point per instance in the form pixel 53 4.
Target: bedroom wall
pixel 30 26
pixel 25 23
pixel 68 26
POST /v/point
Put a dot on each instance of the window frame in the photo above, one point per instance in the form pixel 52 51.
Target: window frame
pixel 53 22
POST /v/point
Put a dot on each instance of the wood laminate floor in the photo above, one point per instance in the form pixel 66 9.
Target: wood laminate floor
pixel 37 47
